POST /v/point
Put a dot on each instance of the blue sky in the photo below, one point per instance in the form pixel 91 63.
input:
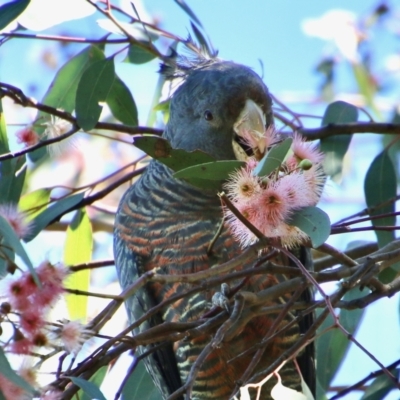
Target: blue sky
pixel 270 31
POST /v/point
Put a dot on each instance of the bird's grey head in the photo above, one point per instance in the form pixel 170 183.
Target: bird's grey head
pixel 207 109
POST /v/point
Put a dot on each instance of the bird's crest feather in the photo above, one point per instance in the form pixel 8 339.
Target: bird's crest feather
pixel 181 66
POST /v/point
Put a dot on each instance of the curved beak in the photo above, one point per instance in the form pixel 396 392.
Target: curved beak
pixel 250 129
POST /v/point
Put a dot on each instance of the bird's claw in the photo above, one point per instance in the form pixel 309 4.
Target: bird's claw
pixel 220 299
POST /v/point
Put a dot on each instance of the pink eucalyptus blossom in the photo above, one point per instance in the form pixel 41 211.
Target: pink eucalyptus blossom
pixel 304 150
pixel 27 136
pixel 73 334
pixel 242 185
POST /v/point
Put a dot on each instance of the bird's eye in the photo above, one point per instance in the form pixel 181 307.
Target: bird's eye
pixel 208 115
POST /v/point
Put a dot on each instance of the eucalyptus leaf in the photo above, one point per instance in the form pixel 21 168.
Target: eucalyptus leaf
pixel 78 250
pixel 366 85
pixel 89 388
pixel 12 173
pixel 62 91
pixel 330 348
pixel 140 386
pixel 215 171
pixel 381 386
pixel 97 379
pixel 12 376
pixel 11 238
pixel 10 11
pixel 4 147
pixel 273 159
pixel 139 55
pixel 206 184
pixel 152 117
pixel 162 106
pixel 314 222
pixel 53 213
pixel 333 345
pixel 121 103
pixel 380 185
pixel 335 147
pixel 94 87
pixel 32 204
pixel 176 159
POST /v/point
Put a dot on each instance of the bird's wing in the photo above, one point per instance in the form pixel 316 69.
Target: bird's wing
pixel 163 370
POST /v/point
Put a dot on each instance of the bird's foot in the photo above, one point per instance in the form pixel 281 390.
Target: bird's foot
pixel 221 299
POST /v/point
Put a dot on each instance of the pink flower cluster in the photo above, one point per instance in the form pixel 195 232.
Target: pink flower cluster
pixel 31 302
pixel 267 202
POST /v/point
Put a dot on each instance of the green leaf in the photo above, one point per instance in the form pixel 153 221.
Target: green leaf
pixel 333 345
pixel 366 85
pixel 209 176
pixel 88 387
pixel 32 204
pixel 121 103
pixel 330 348
pixel 380 185
pixel 152 117
pixel 4 264
pixel 4 147
pixel 140 386
pixel 139 55
pixel 339 112
pixel 53 213
pixel 97 379
pixel 10 11
pixel 380 386
pixel 62 91
pixel 215 171
pixel 350 320
pixel 327 70
pixel 77 250
pixel 314 222
pixel 273 159
pixel 11 375
pixel 12 240
pixel 335 147
pixel 163 106
pixel 12 172
pixel 94 86
pixel 176 159
pixel 321 393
